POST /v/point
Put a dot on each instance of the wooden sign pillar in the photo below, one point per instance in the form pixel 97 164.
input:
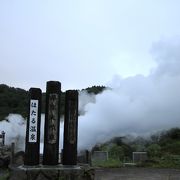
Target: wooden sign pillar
pixel 3 137
pixel 52 121
pixel 70 128
pixel 33 128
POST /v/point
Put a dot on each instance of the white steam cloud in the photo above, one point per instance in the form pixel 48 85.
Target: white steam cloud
pixel 136 105
pixel 15 129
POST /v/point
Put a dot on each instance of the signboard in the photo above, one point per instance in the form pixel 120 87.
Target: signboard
pixel 53 118
pixel 33 118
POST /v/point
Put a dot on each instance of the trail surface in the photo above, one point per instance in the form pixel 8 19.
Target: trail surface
pixel 137 174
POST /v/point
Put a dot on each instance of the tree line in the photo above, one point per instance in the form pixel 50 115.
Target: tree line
pixel 15 100
pixel 163 149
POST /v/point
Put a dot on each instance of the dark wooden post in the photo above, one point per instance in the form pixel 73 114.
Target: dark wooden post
pixel 70 128
pixel 52 121
pixel 3 137
pixel 33 128
pixel 61 155
pixel 87 156
pixel 12 153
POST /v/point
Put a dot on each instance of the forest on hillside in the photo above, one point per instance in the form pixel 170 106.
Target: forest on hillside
pixel 15 100
pixel 163 150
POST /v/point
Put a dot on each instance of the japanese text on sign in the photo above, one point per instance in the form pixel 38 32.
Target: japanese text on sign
pixel 72 122
pixel 52 118
pixel 33 118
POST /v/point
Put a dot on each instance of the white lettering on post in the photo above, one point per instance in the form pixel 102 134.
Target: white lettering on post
pixel 33 118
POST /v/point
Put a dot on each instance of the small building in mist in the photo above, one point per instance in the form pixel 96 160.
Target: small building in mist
pixel 139 157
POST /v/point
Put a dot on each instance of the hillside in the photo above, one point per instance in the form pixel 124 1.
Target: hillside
pixel 163 150
pixel 15 100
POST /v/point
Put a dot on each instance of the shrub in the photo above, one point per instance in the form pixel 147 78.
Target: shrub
pixel 154 150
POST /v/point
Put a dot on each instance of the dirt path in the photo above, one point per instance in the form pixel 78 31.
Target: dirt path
pixel 137 174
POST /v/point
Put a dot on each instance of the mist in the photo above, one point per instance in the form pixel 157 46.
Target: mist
pixel 15 128
pixel 138 105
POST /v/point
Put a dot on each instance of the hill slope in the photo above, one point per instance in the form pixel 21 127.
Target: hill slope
pixel 15 100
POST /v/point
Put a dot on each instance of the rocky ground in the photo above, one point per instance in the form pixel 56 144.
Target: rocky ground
pixel 129 174
pixel 137 174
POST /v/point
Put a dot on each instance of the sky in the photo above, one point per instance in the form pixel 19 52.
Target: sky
pixel 82 42
pixel 131 46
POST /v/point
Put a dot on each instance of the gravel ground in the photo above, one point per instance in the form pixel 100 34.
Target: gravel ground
pixel 137 174
pixel 131 174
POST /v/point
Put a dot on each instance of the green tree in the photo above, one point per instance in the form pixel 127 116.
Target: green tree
pixel 116 152
pixel 154 150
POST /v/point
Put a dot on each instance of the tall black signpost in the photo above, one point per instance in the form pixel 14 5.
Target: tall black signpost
pixel 3 137
pixel 70 128
pixel 33 128
pixel 52 121
pixel 49 170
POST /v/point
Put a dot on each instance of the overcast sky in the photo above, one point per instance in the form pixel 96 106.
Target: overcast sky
pixel 81 42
